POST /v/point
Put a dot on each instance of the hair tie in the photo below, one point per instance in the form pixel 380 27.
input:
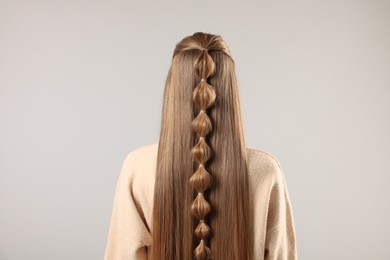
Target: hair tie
pixel 203 79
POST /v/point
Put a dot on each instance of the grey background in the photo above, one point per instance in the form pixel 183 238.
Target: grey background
pixel 82 84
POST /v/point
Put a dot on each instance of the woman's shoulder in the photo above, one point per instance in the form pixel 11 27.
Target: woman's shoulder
pixel 142 152
pixel 262 163
pixel 142 157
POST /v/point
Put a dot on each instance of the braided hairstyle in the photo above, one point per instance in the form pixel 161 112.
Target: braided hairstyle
pixel 201 204
pixel 203 97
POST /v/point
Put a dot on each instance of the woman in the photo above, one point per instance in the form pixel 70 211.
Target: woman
pixel 200 193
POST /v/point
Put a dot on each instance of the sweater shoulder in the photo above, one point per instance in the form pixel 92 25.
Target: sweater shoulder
pixel 262 164
pixel 142 153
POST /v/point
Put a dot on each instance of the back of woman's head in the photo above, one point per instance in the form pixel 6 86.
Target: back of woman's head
pixel 201 203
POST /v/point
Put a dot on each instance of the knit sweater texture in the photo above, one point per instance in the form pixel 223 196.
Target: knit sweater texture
pixel 129 234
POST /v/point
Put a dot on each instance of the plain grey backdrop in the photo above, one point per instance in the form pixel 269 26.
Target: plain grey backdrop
pixel 82 84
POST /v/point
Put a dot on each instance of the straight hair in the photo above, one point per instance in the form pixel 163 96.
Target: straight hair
pixel 201 199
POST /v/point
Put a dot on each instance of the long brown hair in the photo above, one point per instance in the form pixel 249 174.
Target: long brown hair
pixel 201 203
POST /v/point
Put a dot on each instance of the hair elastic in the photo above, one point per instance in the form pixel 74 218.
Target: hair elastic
pixel 203 79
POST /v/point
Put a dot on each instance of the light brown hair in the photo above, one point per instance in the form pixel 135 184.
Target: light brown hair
pixel 201 201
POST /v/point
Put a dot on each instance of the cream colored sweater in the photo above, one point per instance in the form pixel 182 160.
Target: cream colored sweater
pixel 128 236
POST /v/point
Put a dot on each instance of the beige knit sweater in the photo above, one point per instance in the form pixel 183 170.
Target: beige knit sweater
pixel 129 237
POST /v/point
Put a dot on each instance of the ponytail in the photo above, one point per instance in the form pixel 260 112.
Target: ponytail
pixel 203 97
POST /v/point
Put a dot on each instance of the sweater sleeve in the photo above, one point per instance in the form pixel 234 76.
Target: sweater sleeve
pixel 280 242
pixel 127 232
